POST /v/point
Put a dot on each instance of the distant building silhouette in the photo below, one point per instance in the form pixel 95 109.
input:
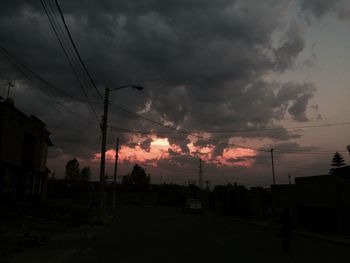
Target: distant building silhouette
pixel 323 202
pixel 23 150
pixel 319 203
pixel 343 172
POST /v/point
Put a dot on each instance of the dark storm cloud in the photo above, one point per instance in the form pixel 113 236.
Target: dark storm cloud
pixel 181 141
pixel 319 8
pixel 180 160
pixel 146 144
pixel 236 160
pixel 203 64
pixel 291 45
pixel 299 96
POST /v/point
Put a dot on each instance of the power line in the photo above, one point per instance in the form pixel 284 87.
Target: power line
pixel 194 134
pixel 282 151
pixel 5 51
pixel 147 119
pixel 70 52
pixel 52 23
pixel 44 91
pixel 8 54
pixel 224 131
pixel 277 128
pixel 76 50
pixel 315 153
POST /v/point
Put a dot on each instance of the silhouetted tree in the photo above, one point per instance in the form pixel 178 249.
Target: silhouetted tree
pixel 72 173
pixel 137 177
pixel 337 162
pixel 85 174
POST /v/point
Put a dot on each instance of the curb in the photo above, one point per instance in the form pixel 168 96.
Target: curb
pixel 340 241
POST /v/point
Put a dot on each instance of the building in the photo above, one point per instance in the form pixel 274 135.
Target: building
pixel 23 151
pixel 323 202
pixel 343 172
pixel 233 200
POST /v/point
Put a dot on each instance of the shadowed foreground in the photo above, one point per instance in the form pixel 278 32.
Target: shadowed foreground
pixel 163 234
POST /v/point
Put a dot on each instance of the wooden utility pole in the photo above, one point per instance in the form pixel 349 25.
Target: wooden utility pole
pixel 115 176
pixel 103 156
pixel 200 175
pixel 273 166
pixel 103 145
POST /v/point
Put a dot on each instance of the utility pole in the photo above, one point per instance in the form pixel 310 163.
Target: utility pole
pixel 10 84
pixel 273 166
pixel 115 176
pixel 200 175
pixel 103 156
pixel 103 145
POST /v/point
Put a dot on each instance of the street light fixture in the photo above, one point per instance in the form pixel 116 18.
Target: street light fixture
pixel 103 144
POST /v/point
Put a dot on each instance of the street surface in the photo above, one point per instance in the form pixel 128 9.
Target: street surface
pixel 164 234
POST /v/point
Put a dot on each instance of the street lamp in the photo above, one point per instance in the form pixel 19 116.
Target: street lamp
pixel 103 144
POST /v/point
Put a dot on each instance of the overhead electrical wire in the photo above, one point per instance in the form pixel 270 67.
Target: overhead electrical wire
pixel 55 28
pixel 284 151
pixel 148 119
pixel 194 134
pixel 125 110
pixel 27 68
pixel 76 50
pixel 71 55
pixel 277 128
pixel 18 63
pixel 43 90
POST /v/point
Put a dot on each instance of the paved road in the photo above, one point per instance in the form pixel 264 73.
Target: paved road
pixel 163 234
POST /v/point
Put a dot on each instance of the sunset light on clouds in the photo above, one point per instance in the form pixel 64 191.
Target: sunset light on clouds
pixel 159 149
pixel 237 157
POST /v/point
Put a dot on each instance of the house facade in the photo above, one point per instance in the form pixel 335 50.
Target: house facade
pixel 24 141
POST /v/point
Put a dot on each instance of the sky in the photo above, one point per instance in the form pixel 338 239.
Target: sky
pixel 224 81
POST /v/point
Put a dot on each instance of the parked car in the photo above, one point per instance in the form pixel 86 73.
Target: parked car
pixel 192 206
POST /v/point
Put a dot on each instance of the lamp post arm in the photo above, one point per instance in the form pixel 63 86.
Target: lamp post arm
pixel 128 86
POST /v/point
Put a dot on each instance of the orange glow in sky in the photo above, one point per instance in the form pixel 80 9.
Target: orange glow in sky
pixel 159 149
pixel 232 157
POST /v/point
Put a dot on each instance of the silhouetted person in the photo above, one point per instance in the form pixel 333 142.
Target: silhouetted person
pixel 286 228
